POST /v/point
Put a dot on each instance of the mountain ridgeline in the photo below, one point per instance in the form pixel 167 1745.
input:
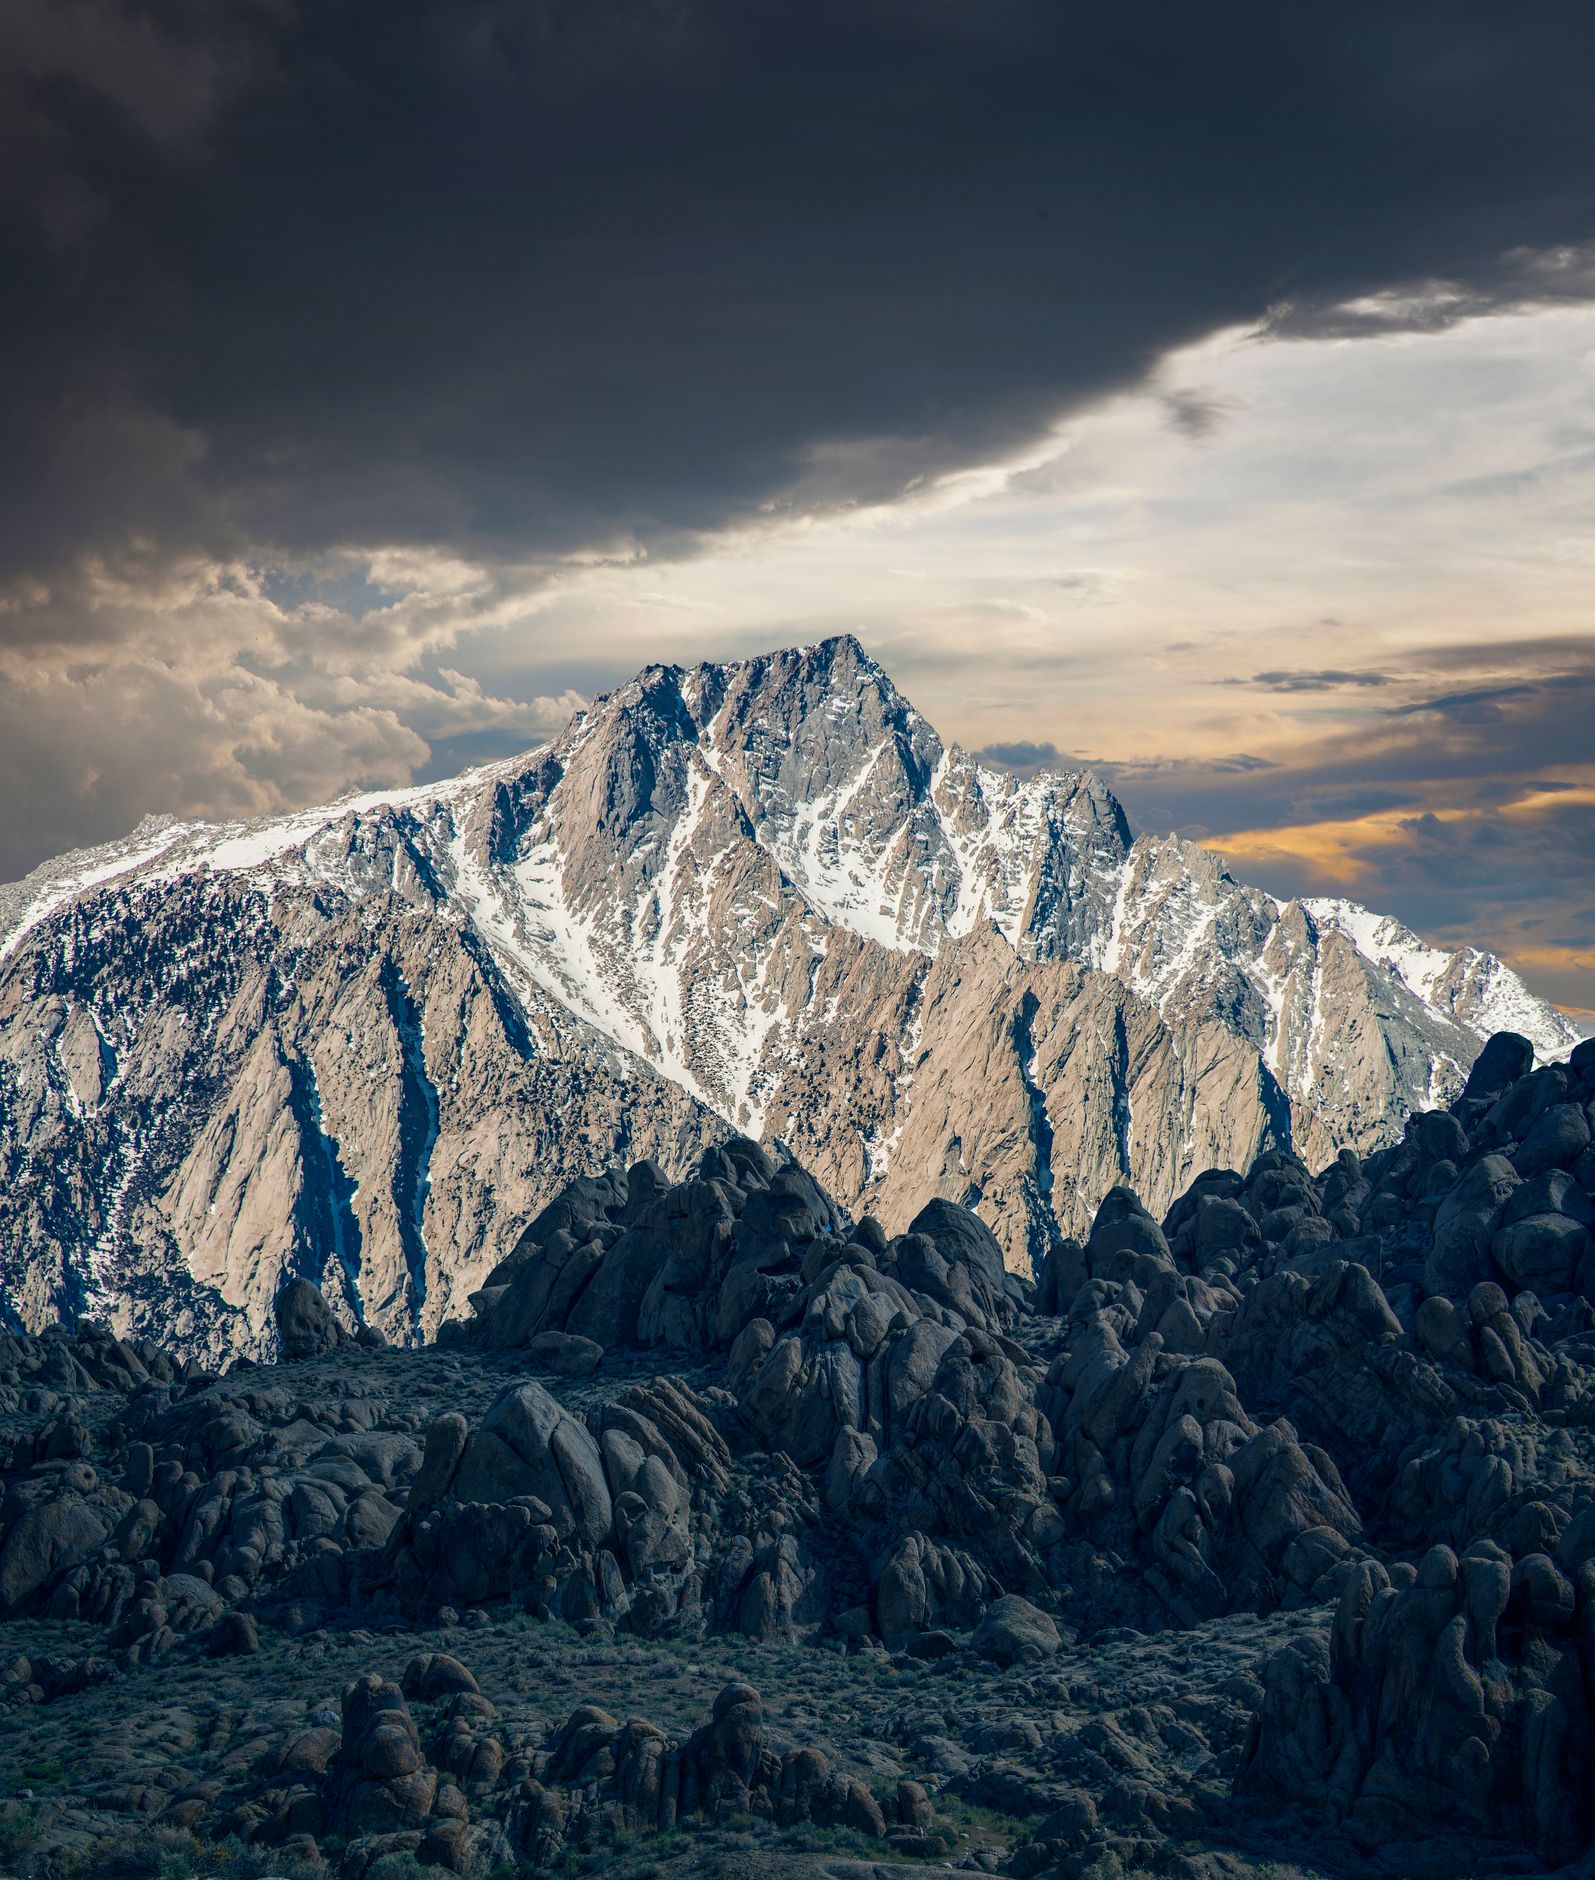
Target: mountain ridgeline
pixel 365 1044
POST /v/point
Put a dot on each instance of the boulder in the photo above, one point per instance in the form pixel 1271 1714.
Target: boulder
pixel 1016 1632
pixel 558 1460
pixel 1542 1251
pixel 1556 1139
pixel 305 1326
pixel 1506 1056
pixel 565 1354
pixel 960 1234
pixel 434 1675
pixel 1465 1224
pixel 51 1537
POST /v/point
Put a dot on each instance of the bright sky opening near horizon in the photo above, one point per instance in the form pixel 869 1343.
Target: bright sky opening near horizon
pixel 1211 404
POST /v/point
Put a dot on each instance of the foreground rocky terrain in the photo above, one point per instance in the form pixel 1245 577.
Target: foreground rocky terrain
pixel 731 1535
pixel 367 1043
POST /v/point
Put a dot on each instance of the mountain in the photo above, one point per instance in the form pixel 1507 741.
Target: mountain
pixel 365 1043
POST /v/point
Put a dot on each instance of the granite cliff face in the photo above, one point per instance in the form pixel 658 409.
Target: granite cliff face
pixel 366 1043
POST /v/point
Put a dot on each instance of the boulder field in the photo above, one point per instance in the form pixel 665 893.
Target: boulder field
pixel 730 1532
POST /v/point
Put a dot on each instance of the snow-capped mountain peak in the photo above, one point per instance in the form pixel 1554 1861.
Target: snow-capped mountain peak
pixel 366 1040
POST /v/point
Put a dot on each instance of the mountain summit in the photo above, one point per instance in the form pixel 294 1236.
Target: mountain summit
pixel 365 1043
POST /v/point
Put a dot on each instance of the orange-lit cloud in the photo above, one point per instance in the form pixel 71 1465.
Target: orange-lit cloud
pixel 1340 849
pixel 1337 852
pixel 1358 855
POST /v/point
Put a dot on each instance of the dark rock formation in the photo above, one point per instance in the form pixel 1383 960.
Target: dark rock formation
pixel 1324 1443
pixel 305 1328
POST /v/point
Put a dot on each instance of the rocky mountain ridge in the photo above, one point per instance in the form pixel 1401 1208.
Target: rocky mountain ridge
pixel 366 1043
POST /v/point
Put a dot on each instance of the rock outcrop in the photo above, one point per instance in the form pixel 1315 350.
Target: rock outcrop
pixel 1273 1517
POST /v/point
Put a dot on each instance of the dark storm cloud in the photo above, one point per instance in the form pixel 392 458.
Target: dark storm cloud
pixel 1484 705
pixel 1537 658
pixel 1195 414
pixel 522 278
pixel 1160 793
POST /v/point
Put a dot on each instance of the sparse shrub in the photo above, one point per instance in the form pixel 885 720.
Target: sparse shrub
pixel 18 1829
pixel 399 1867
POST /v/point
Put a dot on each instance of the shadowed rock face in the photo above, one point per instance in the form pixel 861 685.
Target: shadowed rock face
pixel 1271 1520
pixel 305 1328
pixel 364 1045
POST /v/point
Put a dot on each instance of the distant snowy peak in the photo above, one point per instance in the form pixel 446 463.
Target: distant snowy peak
pixel 1477 990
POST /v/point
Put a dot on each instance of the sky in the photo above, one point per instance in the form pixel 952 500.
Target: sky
pixel 1203 395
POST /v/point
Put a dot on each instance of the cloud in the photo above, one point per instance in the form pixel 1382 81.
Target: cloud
pixel 1482 706
pixel 1001 607
pixel 1540 655
pixel 350 308
pixel 1521 280
pixel 1196 413
pixel 1024 757
pixel 1327 680
pixel 1135 773
pixel 1242 764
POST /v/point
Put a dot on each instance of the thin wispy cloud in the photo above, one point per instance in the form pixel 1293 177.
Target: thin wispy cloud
pixel 1326 680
